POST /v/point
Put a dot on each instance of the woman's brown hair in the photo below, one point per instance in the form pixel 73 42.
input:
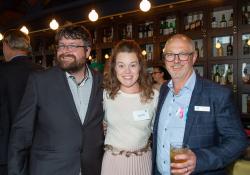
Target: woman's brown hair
pixel 112 84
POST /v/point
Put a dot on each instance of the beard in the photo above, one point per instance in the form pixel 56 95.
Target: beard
pixel 70 66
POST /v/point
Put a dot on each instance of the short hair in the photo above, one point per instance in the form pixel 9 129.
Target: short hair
pixel 74 32
pixel 180 37
pixel 112 84
pixel 17 40
pixel 166 75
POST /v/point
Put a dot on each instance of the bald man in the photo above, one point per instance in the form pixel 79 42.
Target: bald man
pixel 195 112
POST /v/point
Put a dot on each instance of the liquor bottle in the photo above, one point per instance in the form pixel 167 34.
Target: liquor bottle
pixel 166 29
pixel 192 25
pixel 223 22
pixel 219 50
pixel 189 20
pixel 198 22
pixel 217 75
pixel 246 48
pixel 161 27
pixel 231 20
pixel 174 26
pixel 171 28
pixel 149 54
pixel 230 47
pixel 201 52
pixel 140 31
pixel 129 30
pixel 244 15
pixel 229 75
pixel 150 29
pixel 123 34
pixel 214 23
pixel 197 49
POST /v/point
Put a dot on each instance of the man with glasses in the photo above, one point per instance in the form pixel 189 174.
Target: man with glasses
pixel 58 128
pixel 194 112
pixel 160 75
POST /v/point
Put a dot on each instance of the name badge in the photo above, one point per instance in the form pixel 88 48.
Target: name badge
pixel 202 108
pixel 141 115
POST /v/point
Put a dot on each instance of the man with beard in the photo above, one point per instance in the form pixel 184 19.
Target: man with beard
pixel 195 112
pixel 59 122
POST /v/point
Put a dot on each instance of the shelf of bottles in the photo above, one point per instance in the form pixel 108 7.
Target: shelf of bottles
pixel 222 18
pixel 147 51
pixel 198 44
pixel 245 75
pixel 245 99
pixel 245 41
pixel 168 25
pixel 145 30
pixel 107 34
pixel 222 46
pixel 246 13
pixel 199 69
pixel 222 74
pixel 193 21
pixel 125 31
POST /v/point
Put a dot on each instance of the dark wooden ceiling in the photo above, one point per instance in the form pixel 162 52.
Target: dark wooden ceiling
pixel 36 13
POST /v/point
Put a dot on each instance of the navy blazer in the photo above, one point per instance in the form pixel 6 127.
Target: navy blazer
pixel 48 137
pixel 216 137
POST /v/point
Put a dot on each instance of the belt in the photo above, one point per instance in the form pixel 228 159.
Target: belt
pixel 116 151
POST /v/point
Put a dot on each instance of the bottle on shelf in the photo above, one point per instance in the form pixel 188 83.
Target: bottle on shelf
pixel 149 53
pixel 214 23
pixel 189 20
pixel 201 51
pixel 150 29
pixel 197 49
pixel 166 28
pixel 231 20
pixel 229 75
pixel 219 50
pixel 217 75
pixel 223 22
pixel 246 48
pixel 244 15
pixel 129 30
pixel 230 47
pixel 161 27
pixel 192 25
pixel 198 22
pixel 140 31
pixel 145 30
pixel 171 28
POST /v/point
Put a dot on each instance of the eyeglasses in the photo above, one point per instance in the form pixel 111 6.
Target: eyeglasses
pixel 181 56
pixel 69 47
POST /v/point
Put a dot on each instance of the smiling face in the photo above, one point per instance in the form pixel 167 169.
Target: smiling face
pixel 127 70
pixel 180 70
pixel 72 59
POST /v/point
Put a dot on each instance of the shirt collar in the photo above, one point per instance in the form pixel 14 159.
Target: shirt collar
pixel 87 76
pixel 189 85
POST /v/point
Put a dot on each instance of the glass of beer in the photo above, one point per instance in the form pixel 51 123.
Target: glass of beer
pixel 177 148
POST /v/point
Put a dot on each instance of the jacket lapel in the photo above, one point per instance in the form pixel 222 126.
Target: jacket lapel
pixel 195 98
pixel 68 95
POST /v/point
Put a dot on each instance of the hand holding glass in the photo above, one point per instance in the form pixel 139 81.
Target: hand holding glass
pixel 177 148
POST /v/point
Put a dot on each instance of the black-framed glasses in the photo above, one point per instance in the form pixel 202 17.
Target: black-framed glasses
pixel 69 47
pixel 181 56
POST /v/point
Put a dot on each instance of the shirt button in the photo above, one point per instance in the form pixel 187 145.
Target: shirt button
pixel 165 129
pixel 169 114
pixel 164 162
pixel 163 146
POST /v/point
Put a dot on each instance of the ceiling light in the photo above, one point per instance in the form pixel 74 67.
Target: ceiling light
pixel 53 24
pixel 145 5
pixel 93 15
pixel 248 42
pixel 24 30
pixel 106 56
pixel 1 37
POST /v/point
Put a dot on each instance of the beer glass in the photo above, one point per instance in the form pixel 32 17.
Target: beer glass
pixel 177 148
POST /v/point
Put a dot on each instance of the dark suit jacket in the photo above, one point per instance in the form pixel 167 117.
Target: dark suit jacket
pixel 13 79
pixel 216 137
pixel 48 125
